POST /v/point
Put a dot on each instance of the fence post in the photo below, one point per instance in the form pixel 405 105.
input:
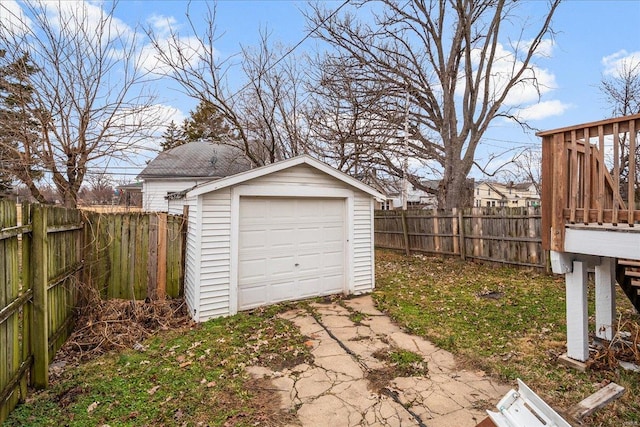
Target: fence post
pixel 26 285
pixel 461 236
pixel 40 328
pixel 405 233
pixel 162 256
pixel 152 263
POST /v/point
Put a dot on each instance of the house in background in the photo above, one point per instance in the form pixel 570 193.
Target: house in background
pixel 493 194
pixel 184 167
pixel 130 195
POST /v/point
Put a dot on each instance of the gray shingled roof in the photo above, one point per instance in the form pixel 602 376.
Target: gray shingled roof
pixel 197 159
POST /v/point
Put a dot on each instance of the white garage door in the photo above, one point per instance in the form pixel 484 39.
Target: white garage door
pixel 289 248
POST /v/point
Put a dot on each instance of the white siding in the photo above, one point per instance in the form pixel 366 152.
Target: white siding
pixel 300 175
pixel 176 206
pixel 215 262
pixel 154 192
pixel 192 260
pixel 363 263
pixel 209 247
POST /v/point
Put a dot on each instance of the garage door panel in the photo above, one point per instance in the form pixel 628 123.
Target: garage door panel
pixel 254 296
pixel 254 239
pixel 295 246
pixel 332 284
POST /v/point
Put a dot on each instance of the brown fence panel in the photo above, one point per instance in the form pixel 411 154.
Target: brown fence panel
pixel 503 235
pixel 134 255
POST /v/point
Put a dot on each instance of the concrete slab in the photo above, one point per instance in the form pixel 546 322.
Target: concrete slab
pixel 334 391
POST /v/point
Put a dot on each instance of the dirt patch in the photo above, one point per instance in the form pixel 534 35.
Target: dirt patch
pixel 69 396
pixel 265 406
pixel 400 363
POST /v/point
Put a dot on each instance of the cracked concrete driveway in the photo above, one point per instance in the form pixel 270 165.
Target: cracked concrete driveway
pixel 335 390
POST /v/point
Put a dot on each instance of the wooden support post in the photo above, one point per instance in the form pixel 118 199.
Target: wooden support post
pixel 405 233
pixel 162 256
pixel 605 298
pixel 40 327
pixel 577 315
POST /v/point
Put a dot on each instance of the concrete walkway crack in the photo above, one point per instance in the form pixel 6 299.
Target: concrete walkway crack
pixel 335 390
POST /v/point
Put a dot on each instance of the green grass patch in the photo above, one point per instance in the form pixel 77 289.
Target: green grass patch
pixel 507 322
pixel 189 377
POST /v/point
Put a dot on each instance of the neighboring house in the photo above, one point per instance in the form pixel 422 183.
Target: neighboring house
pixel 130 195
pixel 416 198
pixel 492 194
pixel 182 168
pixel 290 230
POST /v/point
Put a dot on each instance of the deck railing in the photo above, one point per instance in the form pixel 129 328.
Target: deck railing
pixel 590 175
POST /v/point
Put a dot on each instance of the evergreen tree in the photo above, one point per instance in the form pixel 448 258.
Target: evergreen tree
pixel 172 137
pixel 206 122
pixel 20 129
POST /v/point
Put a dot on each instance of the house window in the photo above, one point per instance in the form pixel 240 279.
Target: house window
pixel 493 203
pixel 488 191
pixel 488 204
pixel 478 191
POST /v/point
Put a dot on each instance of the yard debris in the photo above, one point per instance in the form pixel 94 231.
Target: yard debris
pixel 107 325
pixel 622 351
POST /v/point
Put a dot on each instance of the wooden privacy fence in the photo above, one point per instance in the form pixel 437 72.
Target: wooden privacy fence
pixel 503 235
pixel 134 255
pixel 44 261
pixel 39 266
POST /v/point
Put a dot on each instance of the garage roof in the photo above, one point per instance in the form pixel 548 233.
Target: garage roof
pixel 281 165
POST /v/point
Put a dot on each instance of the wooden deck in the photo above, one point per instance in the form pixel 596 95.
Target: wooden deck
pixel 589 178
pixel 591 219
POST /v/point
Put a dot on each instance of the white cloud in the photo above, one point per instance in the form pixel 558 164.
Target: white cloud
pixel 542 110
pixel 190 48
pixel 162 25
pixel 616 63
pixel 12 18
pixel 535 81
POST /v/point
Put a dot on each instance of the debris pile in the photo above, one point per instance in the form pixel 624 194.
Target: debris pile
pixel 106 325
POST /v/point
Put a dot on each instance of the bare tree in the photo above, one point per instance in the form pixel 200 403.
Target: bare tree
pixel 262 115
pixel 622 94
pixel 448 65
pixel 345 131
pixel 88 94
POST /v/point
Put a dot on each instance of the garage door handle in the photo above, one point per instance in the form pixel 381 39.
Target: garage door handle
pixel 297 264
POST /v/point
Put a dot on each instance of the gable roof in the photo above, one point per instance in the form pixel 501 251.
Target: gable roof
pixel 197 159
pixel 281 165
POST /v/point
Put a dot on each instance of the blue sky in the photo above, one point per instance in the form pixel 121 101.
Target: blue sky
pixel 591 35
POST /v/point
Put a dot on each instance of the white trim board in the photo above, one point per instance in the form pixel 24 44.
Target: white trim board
pixel 278 166
pixel 603 243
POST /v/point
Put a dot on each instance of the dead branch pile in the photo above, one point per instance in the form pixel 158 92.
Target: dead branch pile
pixel 107 325
pixel 624 347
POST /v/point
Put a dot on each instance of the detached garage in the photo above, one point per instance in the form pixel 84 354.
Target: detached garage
pixel 287 231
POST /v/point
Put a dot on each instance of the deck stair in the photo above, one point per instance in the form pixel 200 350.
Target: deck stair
pixel 628 276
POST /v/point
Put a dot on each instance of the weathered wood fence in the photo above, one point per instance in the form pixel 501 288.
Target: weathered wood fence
pixel 134 255
pixel 502 235
pixel 45 257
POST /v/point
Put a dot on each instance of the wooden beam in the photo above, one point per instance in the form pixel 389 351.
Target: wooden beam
pixel 597 400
